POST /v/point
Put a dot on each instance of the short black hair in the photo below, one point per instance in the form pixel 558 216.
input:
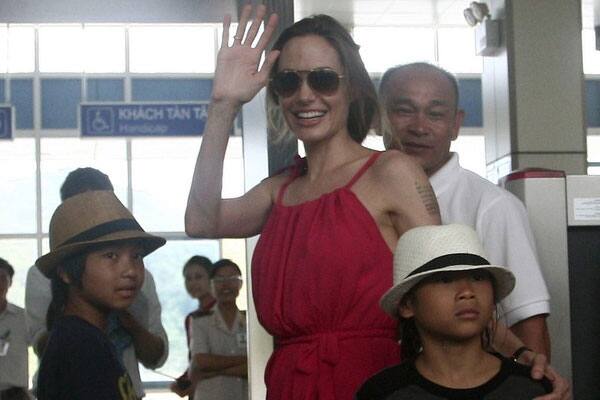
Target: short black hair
pixel 7 267
pixel 202 261
pixel 418 66
pixel 83 180
pixel 222 263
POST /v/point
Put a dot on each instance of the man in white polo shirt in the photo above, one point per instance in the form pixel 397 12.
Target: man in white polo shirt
pixel 421 102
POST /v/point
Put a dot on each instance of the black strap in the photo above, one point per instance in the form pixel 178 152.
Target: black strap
pixel 104 229
pixel 449 260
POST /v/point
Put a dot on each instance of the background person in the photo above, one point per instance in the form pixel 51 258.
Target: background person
pixel 196 273
pixel 423 118
pixel 421 101
pixel 219 365
pixel 445 295
pixel 137 333
pixel 14 378
pixel 328 225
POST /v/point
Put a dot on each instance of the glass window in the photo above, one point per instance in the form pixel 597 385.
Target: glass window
pixel 166 265
pixel 591 56
pixel 103 49
pixel 456 50
pixel 593 148
pixel 62 155
pixel 21 254
pixel 17 182
pixel 408 44
pixel 144 89
pixel 471 151
pixel 2 91
pixel 161 176
pixel 172 49
pixel 450 12
pixel 105 90
pixel 60 103
pixel 21 97
pixel 17 49
pixel 61 48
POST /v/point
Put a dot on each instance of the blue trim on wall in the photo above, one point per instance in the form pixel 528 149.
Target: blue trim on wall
pixel 592 103
pixel 21 97
pixel 469 99
pixel 175 89
pixel 60 102
pixel 104 89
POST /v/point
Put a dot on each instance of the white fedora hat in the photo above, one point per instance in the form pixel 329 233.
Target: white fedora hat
pixel 425 250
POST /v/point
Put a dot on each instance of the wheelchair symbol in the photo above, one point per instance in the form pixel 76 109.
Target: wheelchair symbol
pixel 100 120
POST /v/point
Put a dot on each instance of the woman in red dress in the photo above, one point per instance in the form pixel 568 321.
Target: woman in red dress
pixel 328 224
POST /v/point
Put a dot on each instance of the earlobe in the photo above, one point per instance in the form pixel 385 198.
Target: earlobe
pixel 405 309
pixel 63 276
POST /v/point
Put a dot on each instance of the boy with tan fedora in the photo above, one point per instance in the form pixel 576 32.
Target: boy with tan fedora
pixel 96 266
pixel 444 295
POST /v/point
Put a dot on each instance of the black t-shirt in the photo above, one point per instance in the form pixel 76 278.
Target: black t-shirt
pixel 403 381
pixel 80 363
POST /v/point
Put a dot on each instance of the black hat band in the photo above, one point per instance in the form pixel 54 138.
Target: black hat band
pixel 104 229
pixel 448 260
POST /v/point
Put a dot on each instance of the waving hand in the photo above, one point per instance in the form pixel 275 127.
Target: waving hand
pixel 238 77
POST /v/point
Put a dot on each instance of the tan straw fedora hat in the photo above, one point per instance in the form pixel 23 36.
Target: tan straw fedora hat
pixel 425 250
pixel 91 218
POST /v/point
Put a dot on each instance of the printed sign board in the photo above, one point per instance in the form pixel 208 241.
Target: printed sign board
pixel 5 122
pixel 143 119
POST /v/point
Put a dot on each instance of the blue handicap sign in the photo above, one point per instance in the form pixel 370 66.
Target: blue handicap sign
pixel 143 119
pixel 5 122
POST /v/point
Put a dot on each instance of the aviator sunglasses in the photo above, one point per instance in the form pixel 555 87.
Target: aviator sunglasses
pixel 324 81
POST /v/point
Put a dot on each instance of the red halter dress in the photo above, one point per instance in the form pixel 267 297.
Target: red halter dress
pixel 318 272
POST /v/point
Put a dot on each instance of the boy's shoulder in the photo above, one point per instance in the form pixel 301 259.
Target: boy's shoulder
pixel 516 374
pixel 387 381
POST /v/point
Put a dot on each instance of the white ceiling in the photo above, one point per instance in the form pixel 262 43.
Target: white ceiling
pixel 407 12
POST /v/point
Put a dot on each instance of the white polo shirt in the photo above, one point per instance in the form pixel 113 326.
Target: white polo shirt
pixel 13 348
pixel 211 335
pixel 502 224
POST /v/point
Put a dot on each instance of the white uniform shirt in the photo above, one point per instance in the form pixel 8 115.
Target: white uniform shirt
pixel 502 224
pixel 211 335
pixel 145 309
pixel 13 348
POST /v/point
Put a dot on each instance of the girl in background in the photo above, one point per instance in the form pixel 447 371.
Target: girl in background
pixel 196 273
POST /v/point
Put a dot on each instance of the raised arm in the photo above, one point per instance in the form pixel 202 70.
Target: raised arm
pixel 238 79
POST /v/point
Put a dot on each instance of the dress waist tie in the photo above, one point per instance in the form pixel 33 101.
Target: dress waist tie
pixel 318 358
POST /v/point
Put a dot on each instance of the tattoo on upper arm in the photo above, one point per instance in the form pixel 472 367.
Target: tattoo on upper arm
pixel 428 198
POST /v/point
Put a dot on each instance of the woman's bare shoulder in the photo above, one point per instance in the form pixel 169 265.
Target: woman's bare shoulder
pixel 394 166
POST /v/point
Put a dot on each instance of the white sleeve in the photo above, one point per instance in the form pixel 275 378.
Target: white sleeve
pixel 504 230
pixel 150 318
pixel 37 299
pixel 199 335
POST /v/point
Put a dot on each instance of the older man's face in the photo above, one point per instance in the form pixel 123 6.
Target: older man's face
pixel 422 111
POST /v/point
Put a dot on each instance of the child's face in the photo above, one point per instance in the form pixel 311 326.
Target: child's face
pixel 227 283
pixel 113 275
pixel 197 281
pixel 452 305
